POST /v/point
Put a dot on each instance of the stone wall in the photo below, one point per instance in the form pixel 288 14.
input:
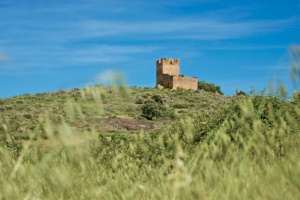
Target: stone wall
pixel 165 80
pixel 185 82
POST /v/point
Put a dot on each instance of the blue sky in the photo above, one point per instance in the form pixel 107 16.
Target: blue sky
pixel 51 45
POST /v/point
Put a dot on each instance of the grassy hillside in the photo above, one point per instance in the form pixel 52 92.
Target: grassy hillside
pixel 144 143
pixel 105 108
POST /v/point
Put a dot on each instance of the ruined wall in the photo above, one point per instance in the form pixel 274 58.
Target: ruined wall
pixel 166 80
pixel 185 82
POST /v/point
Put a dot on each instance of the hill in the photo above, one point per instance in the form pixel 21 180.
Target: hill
pixel 145 143
pixel 105 109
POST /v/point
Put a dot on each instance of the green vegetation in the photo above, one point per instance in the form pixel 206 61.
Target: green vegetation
pixel 96 143
pixel 93 143
pixel 154 108
pixel 209 87
pixel 296 96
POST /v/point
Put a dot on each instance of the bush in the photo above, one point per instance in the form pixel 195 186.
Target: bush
pixel 181 106
pixel 155 108
pixel 139 101
pixel 240 93
pixel 157 99
pixel 152 109
pixel 27 116
pixel 209 87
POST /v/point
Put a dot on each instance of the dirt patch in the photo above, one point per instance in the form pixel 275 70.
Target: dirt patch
pixel 122 124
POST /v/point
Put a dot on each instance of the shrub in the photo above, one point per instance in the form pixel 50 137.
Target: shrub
pixel 19 102
pixel 209 87
pixel 181 106
pixel 139 101
pixel 157 99
pixel 27 116
pixel 152 109
pixel 240 93
pixel 155 109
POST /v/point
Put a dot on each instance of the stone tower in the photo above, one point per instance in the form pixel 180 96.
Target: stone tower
pixel 166 66
pixel 168 75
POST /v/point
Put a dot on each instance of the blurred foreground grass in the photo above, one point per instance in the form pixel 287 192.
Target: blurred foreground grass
pixel 215 148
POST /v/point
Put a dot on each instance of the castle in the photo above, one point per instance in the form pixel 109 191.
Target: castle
pixel 168 75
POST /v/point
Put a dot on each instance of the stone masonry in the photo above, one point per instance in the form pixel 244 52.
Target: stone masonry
pixel 168 75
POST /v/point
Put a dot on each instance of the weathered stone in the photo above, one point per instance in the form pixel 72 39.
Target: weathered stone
pixel 159 86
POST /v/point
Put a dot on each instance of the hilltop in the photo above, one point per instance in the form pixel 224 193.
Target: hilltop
pixel 107 109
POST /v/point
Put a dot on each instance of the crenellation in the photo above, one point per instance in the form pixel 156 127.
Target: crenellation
pixel 170 61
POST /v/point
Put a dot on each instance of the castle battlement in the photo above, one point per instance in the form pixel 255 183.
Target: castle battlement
pixel 170 61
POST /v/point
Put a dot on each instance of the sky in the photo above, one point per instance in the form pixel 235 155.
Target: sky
pixel 47 46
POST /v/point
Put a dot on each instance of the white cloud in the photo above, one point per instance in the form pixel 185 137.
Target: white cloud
pixel 188 28
pixel 3 57
pixel 268 68
pixel 244 47
pixel 192 28
pixel 109 77
pixel 34 57
pixel 208 26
